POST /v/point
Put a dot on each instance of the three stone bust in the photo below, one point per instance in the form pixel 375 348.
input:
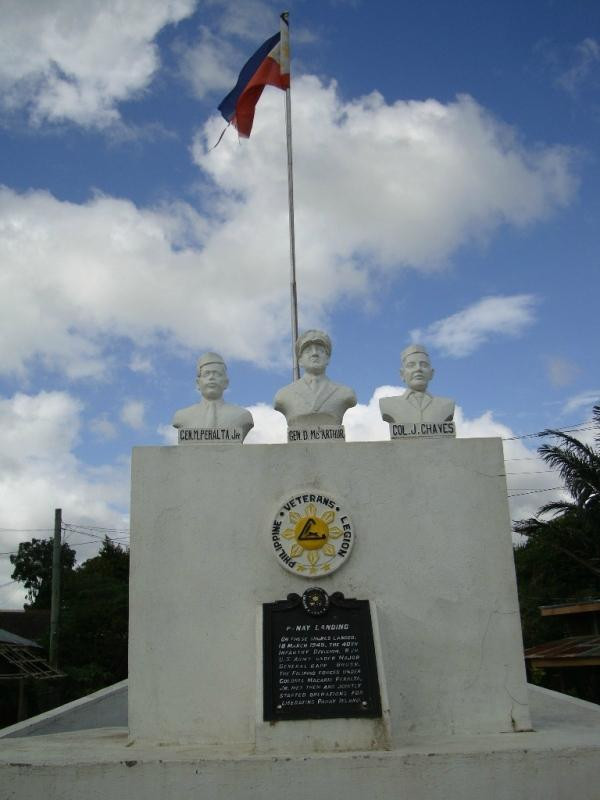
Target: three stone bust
pixel 314 401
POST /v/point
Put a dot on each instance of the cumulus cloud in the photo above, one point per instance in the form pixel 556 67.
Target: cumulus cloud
pixel 206 65
pixel 76 60
pixel 380 187
pixel 132 414
pixel 462 333
pixel 39 472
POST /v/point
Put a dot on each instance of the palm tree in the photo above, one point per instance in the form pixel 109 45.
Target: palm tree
pixel 574 528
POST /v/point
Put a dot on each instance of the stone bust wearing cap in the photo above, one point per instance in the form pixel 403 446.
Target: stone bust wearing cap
pixel 313 400
pixel 213 411
pixel 416 404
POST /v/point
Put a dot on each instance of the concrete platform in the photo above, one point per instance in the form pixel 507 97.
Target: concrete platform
pixel 559 760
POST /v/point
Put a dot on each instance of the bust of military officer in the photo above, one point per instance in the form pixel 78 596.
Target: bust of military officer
pixel 313 400
pixel 212 411
pixel 416 404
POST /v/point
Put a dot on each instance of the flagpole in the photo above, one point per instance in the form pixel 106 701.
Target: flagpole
pixel 290 173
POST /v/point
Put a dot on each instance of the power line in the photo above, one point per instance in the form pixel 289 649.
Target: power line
pixel 25 530
pixel 572 429
pixel 87 528
pixel 535 491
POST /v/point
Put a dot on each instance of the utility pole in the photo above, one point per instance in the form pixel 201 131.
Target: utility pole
pixel 55 602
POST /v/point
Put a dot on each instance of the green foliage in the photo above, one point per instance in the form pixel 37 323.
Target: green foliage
pixel 94 627
pixel 560 557
pixel 33 567
pixel 93 615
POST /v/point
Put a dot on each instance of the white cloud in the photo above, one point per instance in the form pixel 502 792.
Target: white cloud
pixel 132 414
pixel 207 65
pixel 379 188
pixel 168 434
pixel 140 363
pixel 76 59
pixel 103 428
pixel 269 425
pixel 404 183
pixel 585 59
pixel 586 400
pixel 39 472
pixel 461 333
pixel 561 371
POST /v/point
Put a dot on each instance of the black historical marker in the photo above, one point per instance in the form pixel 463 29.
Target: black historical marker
pixel 319 658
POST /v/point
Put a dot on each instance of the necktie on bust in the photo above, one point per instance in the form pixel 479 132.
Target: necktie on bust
pixel 211 421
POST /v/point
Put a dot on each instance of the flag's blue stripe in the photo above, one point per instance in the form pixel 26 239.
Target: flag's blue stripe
pixel 227 106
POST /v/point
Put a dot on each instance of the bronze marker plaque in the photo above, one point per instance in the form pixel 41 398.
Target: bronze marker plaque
pixel 319 658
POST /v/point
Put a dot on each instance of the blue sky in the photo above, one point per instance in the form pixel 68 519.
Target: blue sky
pixel 446 169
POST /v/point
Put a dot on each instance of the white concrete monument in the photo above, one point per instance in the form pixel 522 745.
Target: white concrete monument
pixel 212 420
pixel 314 406
pixel 240 638
pixel 416 412
pixel 310 622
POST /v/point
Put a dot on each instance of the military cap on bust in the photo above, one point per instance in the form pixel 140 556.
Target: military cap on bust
pixel 313 336
pixel 413 348
pixel 209 358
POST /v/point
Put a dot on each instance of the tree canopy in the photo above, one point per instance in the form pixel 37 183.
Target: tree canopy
pixel 94 610
pixel 33 568
pixel 560 557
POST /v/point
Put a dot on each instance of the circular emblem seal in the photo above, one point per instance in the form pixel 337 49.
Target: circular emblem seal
pixel 315 601
pixel 311 534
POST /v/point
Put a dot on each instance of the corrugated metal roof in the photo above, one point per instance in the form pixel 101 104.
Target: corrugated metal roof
pixel 571 648
pixel 6 637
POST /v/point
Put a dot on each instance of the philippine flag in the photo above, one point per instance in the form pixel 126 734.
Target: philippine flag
pixel 270 65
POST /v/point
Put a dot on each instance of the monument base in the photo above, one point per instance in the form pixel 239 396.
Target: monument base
pixel 560 759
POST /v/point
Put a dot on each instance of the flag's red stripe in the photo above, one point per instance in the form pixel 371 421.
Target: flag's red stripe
pixel 268 73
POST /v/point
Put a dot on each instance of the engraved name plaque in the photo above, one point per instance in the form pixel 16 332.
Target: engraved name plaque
pixel 319 658
pixel 210 435
pixel 428 430
pixel 321 433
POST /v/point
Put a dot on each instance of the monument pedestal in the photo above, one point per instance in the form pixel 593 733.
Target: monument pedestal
pixel 432 553
pixel 560 759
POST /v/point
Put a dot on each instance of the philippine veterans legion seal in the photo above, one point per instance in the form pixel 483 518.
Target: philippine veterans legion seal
pixel 311 534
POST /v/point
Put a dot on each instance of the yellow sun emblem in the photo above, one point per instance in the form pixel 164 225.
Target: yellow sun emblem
pixel 312 535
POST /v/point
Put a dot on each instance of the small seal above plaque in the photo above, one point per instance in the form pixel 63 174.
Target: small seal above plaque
pixel 311 534
pixel 319 658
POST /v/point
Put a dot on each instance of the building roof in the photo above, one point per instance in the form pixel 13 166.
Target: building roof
pixel 573 651
pixel 573 607
pixel 6 637
pixel 31 624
